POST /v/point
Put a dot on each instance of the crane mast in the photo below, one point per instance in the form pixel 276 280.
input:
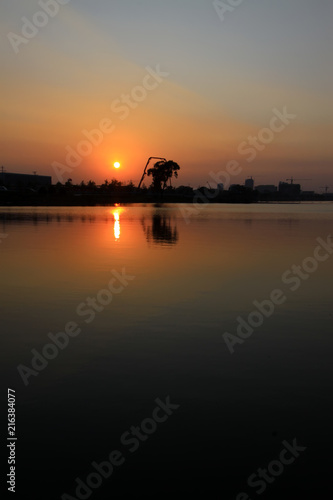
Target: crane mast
pixel 145 169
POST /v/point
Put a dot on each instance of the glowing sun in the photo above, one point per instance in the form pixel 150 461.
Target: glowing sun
pixel 116 164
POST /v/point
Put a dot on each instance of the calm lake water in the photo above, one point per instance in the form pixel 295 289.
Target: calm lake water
pixel 162 334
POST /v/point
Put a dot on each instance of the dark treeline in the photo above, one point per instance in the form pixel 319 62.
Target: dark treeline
pixel 90 194
pixel 114 191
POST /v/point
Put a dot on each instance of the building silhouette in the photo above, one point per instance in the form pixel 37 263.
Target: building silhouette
pixel 17 181
pixel 289 189
pixel 266 188
pixel 249 183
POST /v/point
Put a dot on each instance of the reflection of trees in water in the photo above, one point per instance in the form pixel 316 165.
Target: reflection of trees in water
pixel 160 230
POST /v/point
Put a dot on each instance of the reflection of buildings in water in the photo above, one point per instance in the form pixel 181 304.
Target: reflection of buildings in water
pixel 160 231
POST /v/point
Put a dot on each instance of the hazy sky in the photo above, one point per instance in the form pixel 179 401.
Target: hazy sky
pixel 220 81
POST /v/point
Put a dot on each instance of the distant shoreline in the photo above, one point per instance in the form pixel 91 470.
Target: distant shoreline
pixel 11 199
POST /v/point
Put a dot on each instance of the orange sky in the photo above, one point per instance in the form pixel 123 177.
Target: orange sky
pixel 217 92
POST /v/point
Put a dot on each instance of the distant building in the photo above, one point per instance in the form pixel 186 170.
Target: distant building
pixel 249 183
pixel 289 189
pixel 266 188
pixel 236 188
pixel 16 181
pixel 308 195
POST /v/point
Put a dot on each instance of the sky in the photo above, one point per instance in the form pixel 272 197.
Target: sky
pixel 207 84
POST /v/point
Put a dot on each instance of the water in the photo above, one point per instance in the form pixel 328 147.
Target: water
pixel 187 280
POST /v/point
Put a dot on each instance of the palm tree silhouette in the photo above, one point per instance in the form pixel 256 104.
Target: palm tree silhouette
pixel 161 172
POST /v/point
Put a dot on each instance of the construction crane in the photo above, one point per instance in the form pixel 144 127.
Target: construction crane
pixel 326 188
pixel 292 180
pixel 145 169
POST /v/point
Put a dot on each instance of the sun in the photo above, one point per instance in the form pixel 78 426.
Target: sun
pixel 116 164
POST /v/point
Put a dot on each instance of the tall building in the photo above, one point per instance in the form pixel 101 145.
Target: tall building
pixel 249 183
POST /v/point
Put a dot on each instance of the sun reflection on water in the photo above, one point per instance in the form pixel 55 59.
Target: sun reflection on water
pixel 116 225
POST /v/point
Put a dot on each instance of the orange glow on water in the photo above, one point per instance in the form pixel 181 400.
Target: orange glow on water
pixel 116 225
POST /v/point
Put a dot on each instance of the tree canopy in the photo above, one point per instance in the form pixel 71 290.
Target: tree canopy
pixel 161 172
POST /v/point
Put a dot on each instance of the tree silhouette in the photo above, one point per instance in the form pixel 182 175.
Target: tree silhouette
pixel 161 172
pixel 91 185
